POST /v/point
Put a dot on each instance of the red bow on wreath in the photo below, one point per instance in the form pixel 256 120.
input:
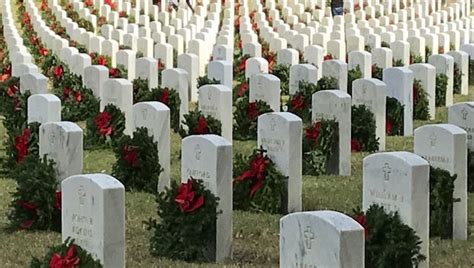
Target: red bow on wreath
pixel 243 88
pixel 70 259
pixel 201 127
pixel 256 173
pixel 186 197
pixel 58 72
pixel 130 155
pixel 297 102
pixel 21 145
pixel 361 219
pixel 57 200
pixel 312 132
pixel 164 96
pixel 32 209
pixel 252 111
pixel 242 64
pixel 102 122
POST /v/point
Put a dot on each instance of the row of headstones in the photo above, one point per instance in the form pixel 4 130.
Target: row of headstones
pixel 408 194
pixel 194 37
pixel 398 181
pixel 29 72
pixel 313 33
pixel 384 8
pixel 127 57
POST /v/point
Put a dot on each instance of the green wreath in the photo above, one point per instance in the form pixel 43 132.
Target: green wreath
pixel 319 142
pixel 258 186
pixel 205 80
pixel 282 71
pixel 187 226
pixel 198 124
pixel 106 128
pixel 420 102
pixel 441 203
pixel 245 118
pixel 457 79
pixel 394 117
pixel 363 129
pixel 137 165
pixel 352 75
pixel 36 205
pixel 67 254
pixel 441 89
pixel 388 241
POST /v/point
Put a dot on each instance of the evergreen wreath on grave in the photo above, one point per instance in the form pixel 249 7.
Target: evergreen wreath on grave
pixel 377 72
pixel 97 59
pixel 105 128
pixel 137 165
pixel 300 102
pixel 241 89
pixel 186 228
pixel 119 72
pixel 68 254
pixel 258 186
pixel 352 75
pixel 428 53
pixel 20 144
pixel 441 203
pixel 394 117
pixel 239 67
pixel 170 98
pixel 14 105
pixel 398 63
pixel 205 80
pixel 160 66
pixel 363 130
pixel 246 114
pixel 319 142
pixel 441 89
pixel 282 71
pixel 388 241
pixel 77 101
pixel 140 89
pixel 415 59
pixel 471 72
pixel 385 44
pixel 74 15
pixel 457 79
pixel 199 124
pixel 36 204
pixel 470 171
pixel 420 102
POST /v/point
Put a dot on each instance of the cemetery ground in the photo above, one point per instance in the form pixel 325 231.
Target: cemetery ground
pixel 256 235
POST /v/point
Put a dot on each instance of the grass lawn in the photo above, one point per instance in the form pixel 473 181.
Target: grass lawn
pixel 255 234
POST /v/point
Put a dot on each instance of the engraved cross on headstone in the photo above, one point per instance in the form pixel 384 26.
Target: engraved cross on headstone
pixel 197 151
pixel 386 171
pixel 82 195
pixel 464 113
pixel 432 139
pixel 272 124
pixel 308 237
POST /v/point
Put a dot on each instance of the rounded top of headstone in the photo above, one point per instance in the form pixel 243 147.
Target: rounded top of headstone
pixel 104 181
pixel 47 97
pixel 213 139
pixel 408 157
pixel 96 67
pixel 418 66
pixel 290 117
pixel 452 129
pixel 218 87
pixel 63 125
pixel 340 221
pixel 331 93
pixel 373 81
pixel 174 70
pixel 469 104
pixel 156 105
